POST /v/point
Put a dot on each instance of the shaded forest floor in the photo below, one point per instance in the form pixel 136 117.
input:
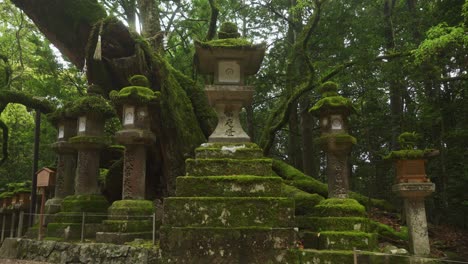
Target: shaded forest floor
pixel 447 242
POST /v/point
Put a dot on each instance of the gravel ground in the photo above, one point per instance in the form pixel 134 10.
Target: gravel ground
pixel 15 261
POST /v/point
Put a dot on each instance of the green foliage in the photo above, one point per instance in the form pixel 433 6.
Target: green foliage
pixel 333 102
pixel 328 89
pixel 408 140
pixel 139 80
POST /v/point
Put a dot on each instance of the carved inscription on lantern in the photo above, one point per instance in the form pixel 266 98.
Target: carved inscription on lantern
pixel 228 71
pixel 336 122
pixel 129 115
pixel 82 124
pixel 229 124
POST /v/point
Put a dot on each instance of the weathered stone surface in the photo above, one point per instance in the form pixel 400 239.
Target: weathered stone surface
pixel 72 231
pixel 228 186
pixel 339 240
pixel 228 211
pixel 230 151
pixel 347 257
pixel 333 223
pixel 217 167
pixel 61 252
pixel 226 245
pixel 121 238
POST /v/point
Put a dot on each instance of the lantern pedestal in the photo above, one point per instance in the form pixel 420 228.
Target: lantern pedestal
pixel 413 195
pixel 228 101
pixel 337 168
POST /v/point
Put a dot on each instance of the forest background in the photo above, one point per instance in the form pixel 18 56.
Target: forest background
pixel 402 62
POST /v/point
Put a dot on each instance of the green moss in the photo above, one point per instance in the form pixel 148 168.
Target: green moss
pixel 120 148
pixel 342 240
pixel 335 207
pixel 139 80
pixel 333 102
pixel 59 114
pixel 85 203
pixel 338 138
pixel 90 139
pixel 128 226
pixel 138 94
pixel 227 43
pixel 26 99
pixel 228 30
pixel 408 154
pixel 212 167
pixel 317 224
pixel 296 178
pixel 228 186
pixel 91 104
pixel 408 140
pixel 304 202
pixel 386 232
pixel 233 151
pixel 328 87
pixel 126 209
pixel 147 244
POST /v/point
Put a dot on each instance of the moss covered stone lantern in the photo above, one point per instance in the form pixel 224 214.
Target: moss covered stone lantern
pixel 413 186
pixel 91 113
pixel 66 162
pixel 333 111
pixel 134 102
pixel 229 60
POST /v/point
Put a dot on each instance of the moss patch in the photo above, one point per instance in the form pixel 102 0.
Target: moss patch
pixel 91 104
pixel 338 138
pixel 90 139
pixel 85 203
pixel 339 208
pixel 347 240
pixel 386 232
pixel 228 186
pixel 318 224
pixel 333 102
pixel 304 202
pixel 408 154
pixel 207 167
pixel 234 43
pixel 131 209
pixel 128 226
pixel 134 94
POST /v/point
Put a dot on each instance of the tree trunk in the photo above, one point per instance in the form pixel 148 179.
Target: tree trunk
pixel 310 153
pixel 149 13
pixel 180 124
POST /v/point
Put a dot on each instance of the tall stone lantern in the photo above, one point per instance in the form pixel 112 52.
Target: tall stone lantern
pixel 229 60
pixel 90 112
pixel 333 111
pixel 413 186
pixel 66 160
pixel 129 217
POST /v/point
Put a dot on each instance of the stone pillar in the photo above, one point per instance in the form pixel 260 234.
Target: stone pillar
pixel 414 195
pixel 338 170
pixel 229 128
pixel 87 170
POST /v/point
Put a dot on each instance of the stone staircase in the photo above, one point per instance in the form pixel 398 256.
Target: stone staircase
pixel 229 208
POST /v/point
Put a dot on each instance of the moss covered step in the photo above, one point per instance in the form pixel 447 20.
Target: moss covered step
pixel 137 210
pixel 77 217
pixel 207 167
pixel 229 150
pixel 339 240
pixel 226 245
pixel 347 257
pixel 314 223
pixel 335 207
pixel 304 202
pixel 228 211
pixel 85 203
pixel 121 238
pixel 228 186
pixel 125 226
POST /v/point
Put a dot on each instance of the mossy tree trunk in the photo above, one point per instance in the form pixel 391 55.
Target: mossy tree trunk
pixel 183 118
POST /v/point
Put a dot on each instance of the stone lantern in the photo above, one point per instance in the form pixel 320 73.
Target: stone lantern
pixel 333 111
pixel 413 186
pixel 90 112
pixel 229 61
pixel 66 160
pixel 134 103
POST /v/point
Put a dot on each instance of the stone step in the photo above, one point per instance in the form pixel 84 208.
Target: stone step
pixel 229 150
pixel 347 257
pixel 314 223
pixel 221 167
pixel 72 231
pixel 228 186
pixel 336 207
pixel 228 211
pixel 339 240
pixel 226 245
pixel 121 238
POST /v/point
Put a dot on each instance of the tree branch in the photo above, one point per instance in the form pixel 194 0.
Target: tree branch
pixel 213 20
pixel 4 128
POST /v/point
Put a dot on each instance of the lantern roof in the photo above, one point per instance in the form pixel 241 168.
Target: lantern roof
pixel 208 53
pixel 332 101
pixel 138 92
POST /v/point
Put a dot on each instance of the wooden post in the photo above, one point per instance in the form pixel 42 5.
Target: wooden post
pixel 355 255
pixel 83 227
pixel 13 220
pixel 20 224
pixel 3 226
pixel 41 216
pixel 154 228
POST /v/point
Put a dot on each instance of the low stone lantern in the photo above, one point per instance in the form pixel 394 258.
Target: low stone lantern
pixel 90 112
pixel 333 111
pixel 229 60
pixel 413 186
pixel 134 103
pixel 66 164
